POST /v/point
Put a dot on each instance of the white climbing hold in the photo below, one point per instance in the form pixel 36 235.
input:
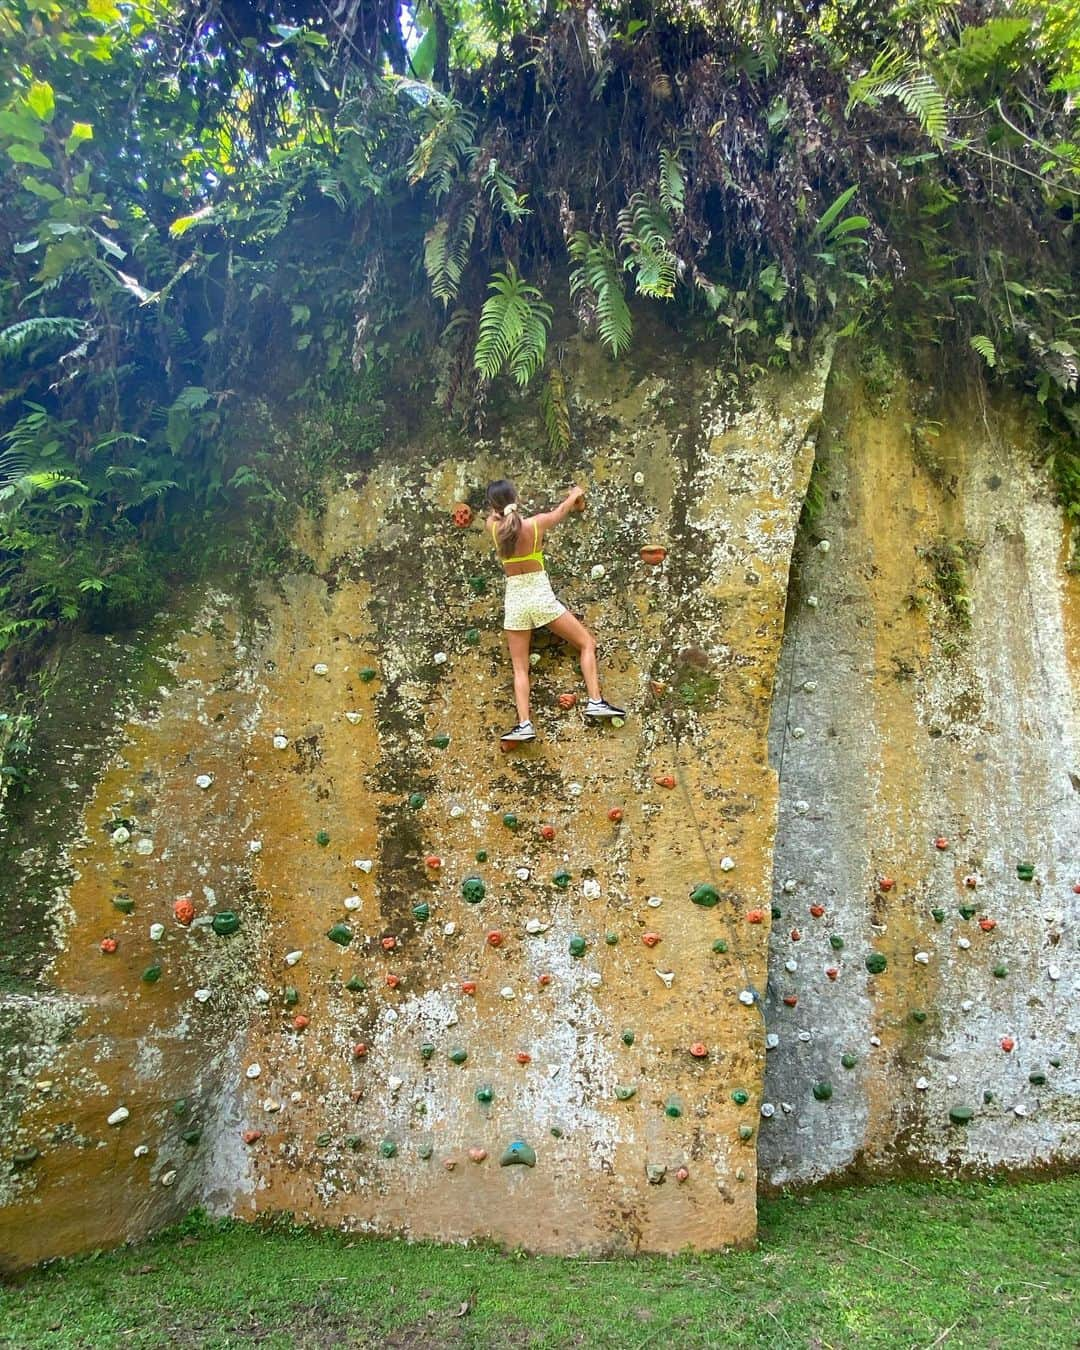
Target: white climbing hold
pixel 966 1005
pixel 590 888
pixel 768 1110
pixel 1020 1109
pixel 506 992
pixel 281 742
pixel 809 686
pixel 364 864
pixel 202 995
pixel 144 847
pixel 118 1116
pixel 823 546
pixel 654 902
pixel 522 873
pixel 270 1105
pixel 262 995
pixel 394 1084
pixel 167 1178
pixel 797 733
pixel 353 717
pixel 791 965
pixel 320 668
pixel 594 979
pixel 923 958
pixel 140 1151
pixel 440 658
pixel 573 789
pixel 456 812
pixel 790 886
pixel 804 1036
pixel 787 1108
pixel 812 601
pixel 727 864
pixel 254 845
pixel 963 943
pixel 598 571
pixel 534 927
pixel 450 929
pixel 121 834
pixel 922 1084
pixel 1053 972
pixel 875 1040
pixel 291 958
pixel 668 977
pixel 157 932
pixel 772 1040
pixel 639 479
pixel 253 1070
pixel 746 996
pixel 352 902
pixel 534 658
pixel 800 808
pixel 203 780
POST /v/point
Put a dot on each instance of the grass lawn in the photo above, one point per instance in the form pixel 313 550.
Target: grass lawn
pixel 917 1264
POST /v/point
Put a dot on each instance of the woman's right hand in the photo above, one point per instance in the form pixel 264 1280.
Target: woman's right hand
pixel 576 498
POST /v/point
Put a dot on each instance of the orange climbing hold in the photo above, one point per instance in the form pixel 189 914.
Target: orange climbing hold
pixel 183 910
pixel 300 1021
pixel 392 981
pixel 494 938
pixel 658 688
pixel 388 943
pixel 796 936
pixel 791 1000
pixel 665 780
pixel 462 515
pixel 941 842
pixel 547 832
pixel 755 916
pixel 251 1136
pixel 1008 1044
pixel 650 939
pixel 544 979
pixel 653 554
pixel 567 701
pixel 523 1057
pixel 682 1173
pixel 699 1049
pixel 359 1050
pixel 478 1154
pixel 108 945
pixel 988 925
pixel 817 911
pixel 885 883
pixel 615 814
pixel 832 972
pixel 433 861
pixel 468 986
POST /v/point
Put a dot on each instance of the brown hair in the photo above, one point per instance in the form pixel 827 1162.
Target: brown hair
pixel 501 494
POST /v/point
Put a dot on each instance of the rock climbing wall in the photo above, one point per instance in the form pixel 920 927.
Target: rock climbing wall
pixel 922 1009
pixel 326 949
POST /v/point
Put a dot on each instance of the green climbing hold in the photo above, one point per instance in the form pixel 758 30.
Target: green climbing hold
pixel 624 1091
pixel 918 1015
pixel 123 903
pixel 719 946
pixel 848 1060
pixel 416 800
pixel 510 820
pixel 292 996
pixel 1037 1077
pixel 836 942
pixel 340 933
pixel 427 1050
pixel 1000 972
pixel 777 912
pixel 939 915
pixel 191 1136
pixel 481 855
pixel 960 1115
pixel 322 838
pixel 422 911
pixel 323 1139
pixel 876 963
pixel 180 1107
pixel 1055 1063
pixel 628 1037
pixel 561 879
pixel 822 1091
pixel 611 939
pixel 673 1108
pixel 441 741
pixel 23 1157
pixel 472 636
pixel 388 1148
pixel 355 985
pixel 225 923
pixel 1025 871
pixel 478 585
pixel 577 946
pixel 556 1132
pixel 473 890
pixel 746 1132
pixel 367 674
pixel 740 1096
pixel 519 1152
pixel 151 974
pixel 967 911
pixel 988 1097
pixel 484 1094
pixel 424 1152
pixel 353 1141
pixel 458 1055
pixel 705 895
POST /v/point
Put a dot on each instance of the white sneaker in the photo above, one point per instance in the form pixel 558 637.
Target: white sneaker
pixel 522 732
pixel 600 707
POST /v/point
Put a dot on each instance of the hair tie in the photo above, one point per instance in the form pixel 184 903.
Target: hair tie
pixel 509 508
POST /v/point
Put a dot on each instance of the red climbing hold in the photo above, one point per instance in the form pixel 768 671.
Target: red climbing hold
pixel 832 972
pixel 468 986
pixel 650 939
pixel 388 943
pixel 478 1154
pixel 494 938
pixel 433 861
pixel 183 910
pixel 796 936
pixel 250 1136
pixel 567 701
pixel 682 1174
pixel 392 981
pixel 615 814
pixel 462 515
pixel 971 880
pixel 755 916
pixel 941 842
pixel 885 883
pixel 817 911
pixel 544 979
pixel 1007 1044
pixel 359 1050
pixel 791 1000
pixel 665 780
pixel 300 1021
pixel 988 925
pixel 1076 888
pixel 108 945
pixel 547 832
pixel 523 1057
pixel 658 687
pixel 653 554
pixel 699 1049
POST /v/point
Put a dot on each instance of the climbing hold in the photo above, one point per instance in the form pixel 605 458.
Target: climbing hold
pixel 292 996
pixel 477 1155
pixel 627 1037
pixel 960 1115
pixel 1008 1044
pixel 719 946
pixel 322 838
pixel 423 1152
pixel 433 861
pixel 472 636
pixel 971 880
pixel 699 1050
pixel 938 915
pixel 836 942
pixel 796 936
pixel 1025 871
pixel 885 883
pixel 848 1060
pixel 547 832
pixel 776 912
pixel 727 864
pixel 682 1174
pixel 118 1116
pixel 523 1057
pixel 544 980
pixel 458 1055
pixel 203 780
pixel 355 985
pixel 108 945
pixel 151 974
pixel 665 780
pixel 668 977
pixel 790 1000
pixel 388 1148
pixel 624 1091
pixel 225 923
pixel 300 1022
pixel 650 939
pixel 364 864
pixel 468 986
pixel 615 814
pixel 673 1108
pixel 1000 972
pixel 1038 1077
pixel 253 1071
pixel 441 741
pixel 534 927
pixel 388 943
pixel 705 895
pixel 653 554
pixel 656 1172
pixel 251 1136
pixel 987 925
pixel 367 674
pixel 755 916
pixel 876 963
pixel 967 911
pixel 123 903
pixel 120 835
pixel 746 1132
pixel 746 996
pixel 340 933
pixel 941 842
pixel 918 1015
pixel 484 1093
pixel 816 911
pixel 280 743
pixel 561 879
pixel 359 1050
pixel 590 888
pixel 472 889
pixel 510 820
pixel 494 938
pixel 577 946
pixel 422 911
pixel 462 515
pixel 183 910
pixel 612 939
pixel 191 1136
pixel 416 800
pixel 922 958
pixel 478 585
pixel 831 972
pixel 518 1152
pixel 740 1096
pixel 392 981
pixel 822 1091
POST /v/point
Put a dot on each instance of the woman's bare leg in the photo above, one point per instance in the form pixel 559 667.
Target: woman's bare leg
pixel 519 640
pixel 572 630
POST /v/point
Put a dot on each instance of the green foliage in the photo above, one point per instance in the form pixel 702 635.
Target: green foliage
pixel 445 144
pixel 672 184
pixel 503 192
pixel 446 252
pixel 513 328
pixel 596 279
pixel 893 75
pixel 982 344
pixel 556 410
pixel 646 231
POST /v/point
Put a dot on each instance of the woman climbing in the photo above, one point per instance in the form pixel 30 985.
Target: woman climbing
pixel 531 603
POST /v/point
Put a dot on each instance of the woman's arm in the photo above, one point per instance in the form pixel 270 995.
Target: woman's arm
pixel 572 501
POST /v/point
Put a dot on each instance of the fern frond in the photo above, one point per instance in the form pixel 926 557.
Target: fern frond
pixel 446 141
pixel 503 191
pixel 19 335
pixel 513 328
pixel 556 411
pixel 672 183
pixel 646 231
pixel 893 75
pixel 985 348
pixel 446 253
pixel 598 273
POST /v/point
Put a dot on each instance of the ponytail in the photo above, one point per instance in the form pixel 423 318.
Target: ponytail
pixel 502 498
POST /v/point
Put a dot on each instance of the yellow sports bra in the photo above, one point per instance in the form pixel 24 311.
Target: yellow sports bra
pixel 535 556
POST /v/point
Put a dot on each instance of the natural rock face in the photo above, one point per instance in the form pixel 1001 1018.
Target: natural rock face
pixel 926 728
pixel 366 1041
